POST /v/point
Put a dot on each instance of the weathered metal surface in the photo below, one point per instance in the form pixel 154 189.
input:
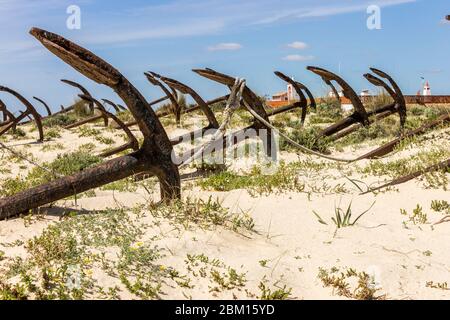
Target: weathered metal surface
pixel 8 116
pixel 381 112
pixel 444 165
pixel 250 97
pixel 303 103
pixel 112 104
pixel 81 88
pixel 312 101
pixel 360 114
pixel 390 146
pixel 398 96
pixel 154 155
pixel 30 111
pixel 183 88
pixel 132 141
pixel 153 78
pixel 49 112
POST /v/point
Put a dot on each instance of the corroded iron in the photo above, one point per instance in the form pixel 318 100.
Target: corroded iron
pixel 390 146
pixel 360 115
pixel 183 88
pixel 132 141
pixel 170 92
pixel 112 104
pixel 442 166
pixel 47 108
pixel 399 105
pixel 302 104
pixel 212 121
pixel 312 101
pixel 8 116
pixel 396 94
pixel 81 88
pixel 30 112
pixel 250 98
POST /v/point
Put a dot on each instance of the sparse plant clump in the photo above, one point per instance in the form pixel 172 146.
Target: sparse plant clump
pixel 52 147
pixel 307 137
pixel 343 218
pixel 415 163
pixel 256 183
pixel 329 108
pixel 53 133
pixel 377 130
pixel 81 108
pixel 104 140
pixel 62 166
pixel 60 120
pixel 417 217
pixel 221 277
pixel 365 288
pixel 19 134
pixel 440 206
pixel 206 214
pixel 125 116
pixel 88 131
pixel 439 285
pixel 378 100
pixel 60 263
pixel 275 293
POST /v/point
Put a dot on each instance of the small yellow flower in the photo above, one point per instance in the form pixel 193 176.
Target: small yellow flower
pixel 137 245
pixel 162 268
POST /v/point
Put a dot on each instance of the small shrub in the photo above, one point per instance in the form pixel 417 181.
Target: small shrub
pixel 365 289
pixel 60 120
pixel 309 138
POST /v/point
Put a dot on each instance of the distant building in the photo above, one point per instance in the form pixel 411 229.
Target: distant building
pixel 284 97
pixel 426 89
pixel 331 94
pixel 365 93
pixel 280 96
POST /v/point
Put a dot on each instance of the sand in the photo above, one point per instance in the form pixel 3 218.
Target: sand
pixel 289 240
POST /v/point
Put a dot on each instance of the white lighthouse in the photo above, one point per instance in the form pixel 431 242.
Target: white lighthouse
pixel 292 95
pixel 426 89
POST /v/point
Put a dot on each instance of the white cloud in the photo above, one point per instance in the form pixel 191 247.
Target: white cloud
pixel 332 8
pixel 200 28
pixel 297 57
pixel 298 45
pixel 231 46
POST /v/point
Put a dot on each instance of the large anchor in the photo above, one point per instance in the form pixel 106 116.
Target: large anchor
pixel 154 156
pixel 30 112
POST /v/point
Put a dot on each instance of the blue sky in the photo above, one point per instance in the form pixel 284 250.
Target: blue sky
pixel 250 39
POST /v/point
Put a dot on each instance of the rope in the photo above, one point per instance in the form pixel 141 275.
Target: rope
pixel 303 148
pixel 232 105
pixel 19 155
